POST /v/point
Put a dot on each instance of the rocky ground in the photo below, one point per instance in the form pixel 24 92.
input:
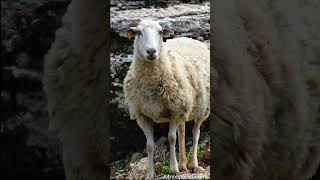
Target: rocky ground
pixel 135 166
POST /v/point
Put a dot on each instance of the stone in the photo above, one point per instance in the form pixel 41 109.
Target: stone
pixel 119 5
pixel 135 157
pixel 200 38
pixel 5 96
pixel 23 60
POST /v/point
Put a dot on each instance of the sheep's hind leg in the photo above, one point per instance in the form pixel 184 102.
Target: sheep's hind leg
pixel 172 141
pixel 182 147
pixel 147 126
pixel 194 166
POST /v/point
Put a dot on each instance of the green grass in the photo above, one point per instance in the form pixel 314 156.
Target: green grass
pixel 200 152
pixel 189 155
pixel 165 169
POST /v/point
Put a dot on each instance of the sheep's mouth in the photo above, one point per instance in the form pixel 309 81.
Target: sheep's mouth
pixel 151 57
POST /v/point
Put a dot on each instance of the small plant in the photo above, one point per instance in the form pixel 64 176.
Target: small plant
pixel 200 150
pixel 189 155
pixel 119 165
pixel 135 157
pixel 165 169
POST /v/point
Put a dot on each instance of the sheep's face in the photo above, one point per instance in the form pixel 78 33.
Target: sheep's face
pixel 148 38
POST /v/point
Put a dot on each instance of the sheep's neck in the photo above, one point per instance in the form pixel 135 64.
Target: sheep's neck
pixel 157 69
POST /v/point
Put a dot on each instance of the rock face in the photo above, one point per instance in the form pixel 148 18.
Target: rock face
pixel 190 20
pixel 27 30
pixel 137 4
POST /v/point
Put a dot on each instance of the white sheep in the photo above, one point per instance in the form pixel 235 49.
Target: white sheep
pixel 168 82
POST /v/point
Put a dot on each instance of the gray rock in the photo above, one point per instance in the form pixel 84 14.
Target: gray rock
pixel 24 73
pixel 200 38
pixel 119 5
pixel 23 60
pixel 183 18
pixel 5 96
pixel 136 157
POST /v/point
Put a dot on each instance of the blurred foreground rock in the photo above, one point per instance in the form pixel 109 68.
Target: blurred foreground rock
pixel 27 30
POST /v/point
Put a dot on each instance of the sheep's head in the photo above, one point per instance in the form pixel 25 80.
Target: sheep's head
pixel 148 38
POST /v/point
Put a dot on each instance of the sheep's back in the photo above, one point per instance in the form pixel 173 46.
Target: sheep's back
pixel 194 49
pixel 196 57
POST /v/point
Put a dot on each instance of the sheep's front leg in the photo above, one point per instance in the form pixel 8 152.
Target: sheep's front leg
pixel 147 126
pixel 182 148
pixel 172 141
pixel 196 134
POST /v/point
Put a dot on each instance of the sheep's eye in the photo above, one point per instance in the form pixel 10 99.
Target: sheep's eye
pixel 139 33
pixel 160 32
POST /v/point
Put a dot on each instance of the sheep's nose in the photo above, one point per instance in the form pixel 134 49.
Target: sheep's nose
pixel 151 51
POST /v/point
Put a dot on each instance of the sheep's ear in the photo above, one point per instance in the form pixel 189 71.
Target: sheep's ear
pixel 166 31
pixel 132 31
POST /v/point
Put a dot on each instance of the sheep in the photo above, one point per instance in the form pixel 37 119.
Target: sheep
pixel 264 122
pixel 168 82
pixel 74 83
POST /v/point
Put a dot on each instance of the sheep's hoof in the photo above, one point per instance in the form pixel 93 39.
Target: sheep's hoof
pixel 150 175
pixel 183 167
pixel 194 167
pixel 174 170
